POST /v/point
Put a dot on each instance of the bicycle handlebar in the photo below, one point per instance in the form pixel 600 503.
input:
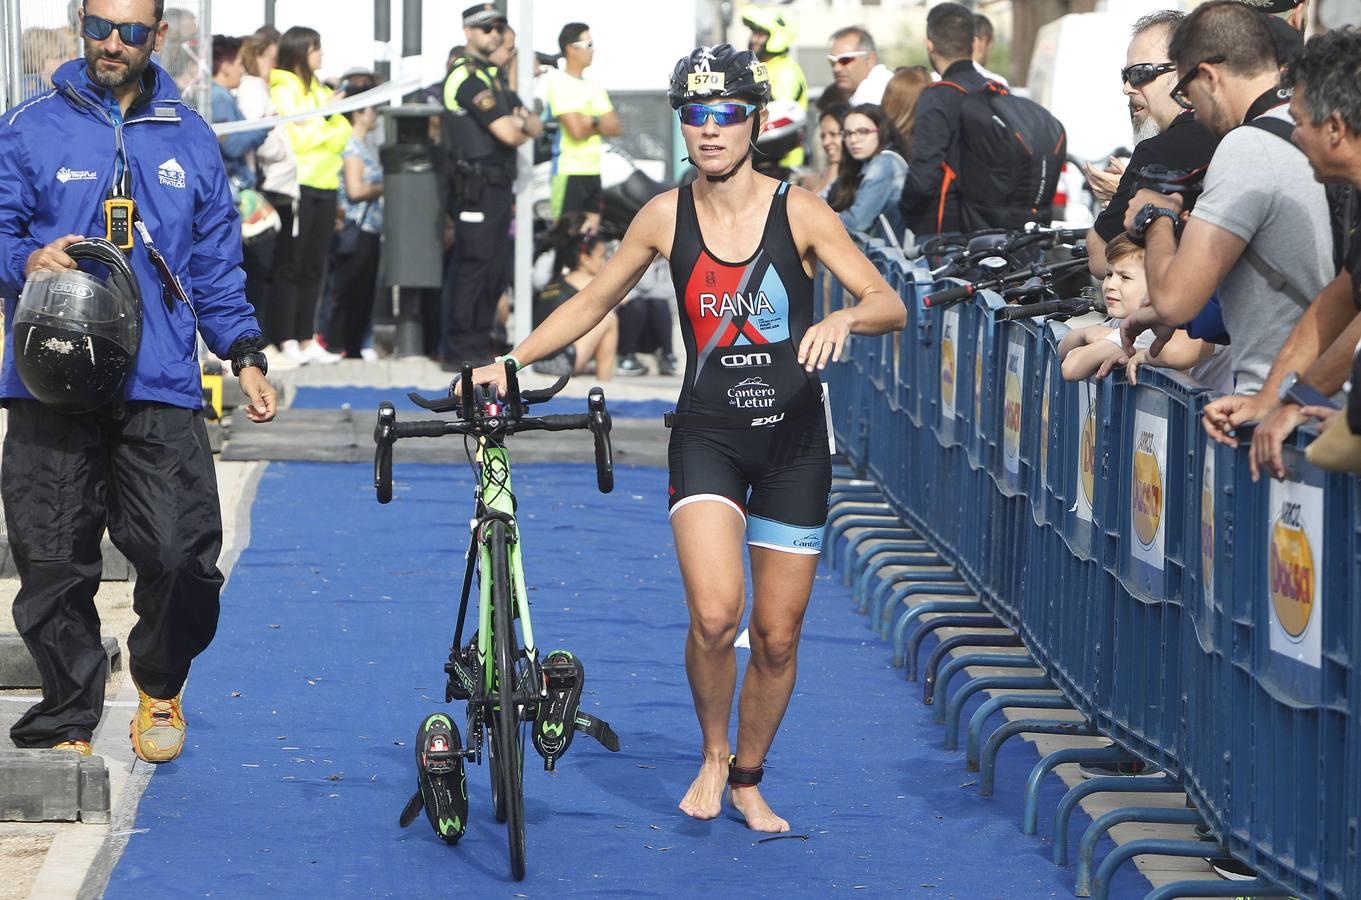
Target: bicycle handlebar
pixel 1072 307
pixel 958 293
pixel 485 417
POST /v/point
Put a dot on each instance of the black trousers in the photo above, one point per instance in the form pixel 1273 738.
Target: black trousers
pixel 644 325
pixel 146 472
pixel 257 261
pixel 478 271
pixel 300 267
pixel 356 275
pixel 276 320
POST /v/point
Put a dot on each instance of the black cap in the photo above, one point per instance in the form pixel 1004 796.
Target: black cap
pixel 1272 6
pixel 482 14
pixel 1289 42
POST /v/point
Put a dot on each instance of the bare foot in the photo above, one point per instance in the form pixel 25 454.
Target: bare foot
pixel 753 808
pixel 704 800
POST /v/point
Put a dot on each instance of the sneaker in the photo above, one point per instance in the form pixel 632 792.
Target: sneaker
pixel 81 747
pixel 293 352
pixel 1232 869
pixel 317 353
pixel 368 354
pixel 667 364
pixel 629 366
pixel 157 728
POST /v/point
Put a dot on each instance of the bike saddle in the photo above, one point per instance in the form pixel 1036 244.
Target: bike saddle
pixel 1032 287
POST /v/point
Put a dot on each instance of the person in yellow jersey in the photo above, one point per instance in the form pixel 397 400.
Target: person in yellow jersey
pixel 585 117
pixel 772 40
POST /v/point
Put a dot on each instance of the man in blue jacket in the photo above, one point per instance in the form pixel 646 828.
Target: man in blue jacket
pixel 140 465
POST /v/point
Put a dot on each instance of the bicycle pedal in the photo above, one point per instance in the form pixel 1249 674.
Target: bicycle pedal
pixel 442 789
pixel 564 678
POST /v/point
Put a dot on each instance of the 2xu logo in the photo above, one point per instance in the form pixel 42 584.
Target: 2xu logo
pixel 1291 568
pixel 766 420
pixel 744 360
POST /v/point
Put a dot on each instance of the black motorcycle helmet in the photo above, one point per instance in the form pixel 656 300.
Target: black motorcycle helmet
pixel 76 335
pixel 721 72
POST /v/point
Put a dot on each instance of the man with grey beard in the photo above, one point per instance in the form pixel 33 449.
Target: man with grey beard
pixel 1164 133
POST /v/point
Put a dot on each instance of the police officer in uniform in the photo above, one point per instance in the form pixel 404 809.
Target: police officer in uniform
pixel 485 126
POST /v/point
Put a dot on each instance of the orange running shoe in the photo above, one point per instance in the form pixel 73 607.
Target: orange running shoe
pixel 157 728
pixel 81 747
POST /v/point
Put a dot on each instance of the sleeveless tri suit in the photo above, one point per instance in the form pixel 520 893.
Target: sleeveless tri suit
pixel 749 428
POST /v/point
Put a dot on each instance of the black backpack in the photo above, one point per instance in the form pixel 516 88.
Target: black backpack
pixel 1011 151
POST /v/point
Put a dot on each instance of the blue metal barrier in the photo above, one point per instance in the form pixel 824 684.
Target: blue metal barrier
pixel 1209 625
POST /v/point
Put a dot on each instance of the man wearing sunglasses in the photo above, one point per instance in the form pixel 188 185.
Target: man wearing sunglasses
pixel 115 135
pixel 484 126
pixel 1164 133
pixel 1259 234
pixel 855 65
pixel 585 116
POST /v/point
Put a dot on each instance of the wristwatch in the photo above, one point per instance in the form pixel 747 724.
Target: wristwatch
pixel 246 360
pixel 1145 217
pixel 1287 385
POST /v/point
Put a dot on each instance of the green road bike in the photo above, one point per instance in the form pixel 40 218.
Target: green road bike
pixel 507 689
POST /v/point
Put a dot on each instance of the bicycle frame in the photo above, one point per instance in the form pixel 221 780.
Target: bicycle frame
pixel 496 500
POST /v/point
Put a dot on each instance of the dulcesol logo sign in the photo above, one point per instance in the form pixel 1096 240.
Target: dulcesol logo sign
pixel 1148 490
pixel 1044 427
pixel 1291 570
pixel 947 371
pixel 1087 454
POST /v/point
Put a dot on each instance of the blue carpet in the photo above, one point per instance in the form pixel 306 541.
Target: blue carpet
pixel 334 629
pixel 369 398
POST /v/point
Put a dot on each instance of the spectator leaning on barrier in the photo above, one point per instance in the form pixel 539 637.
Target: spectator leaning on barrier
pixel 1164 133
pixel 984 37
pixel 1084 351
pixel 871 173
pixel 856 67
pixel 1259 233
pixel 1317 357
pixel 930 199
pixel 585 117
pixel 139 464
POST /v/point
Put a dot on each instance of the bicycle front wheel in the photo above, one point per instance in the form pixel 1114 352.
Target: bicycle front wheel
pixel 508 761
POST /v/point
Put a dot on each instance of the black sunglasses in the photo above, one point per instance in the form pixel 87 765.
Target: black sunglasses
pixel 1141 74
pixel 488 29
pixel 1179 91
pixel 134 34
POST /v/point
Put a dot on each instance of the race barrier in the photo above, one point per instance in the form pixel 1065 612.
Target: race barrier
pixel 1208 625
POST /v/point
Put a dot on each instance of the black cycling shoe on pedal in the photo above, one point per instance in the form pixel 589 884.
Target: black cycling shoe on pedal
pixel 559 719
pixel 442 788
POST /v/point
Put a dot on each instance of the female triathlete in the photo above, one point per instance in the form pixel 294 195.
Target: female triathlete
pixel 749 456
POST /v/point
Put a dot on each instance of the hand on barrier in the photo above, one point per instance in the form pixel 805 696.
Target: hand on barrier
pixel 1323 413
pixel 1270 436
pixel 1109 366
pixel 1132 365
pixel 1224 415
pixel 1141 320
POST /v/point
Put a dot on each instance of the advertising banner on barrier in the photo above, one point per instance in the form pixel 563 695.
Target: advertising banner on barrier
pixel 1148 509
pixel 949 363
pixel 1012 409
pixel 1294 562
pixel 1086 451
